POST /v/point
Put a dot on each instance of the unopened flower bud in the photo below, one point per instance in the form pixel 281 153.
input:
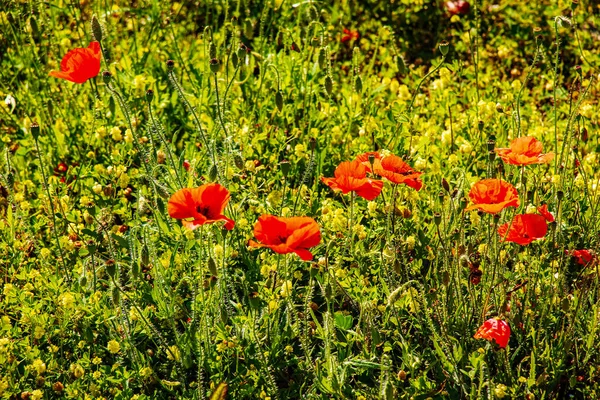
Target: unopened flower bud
pixel 96 29
pixel 35 130
pixel 149 95
pixel 215 65
pixel 285 167
pixel 170 64
pixel 106 77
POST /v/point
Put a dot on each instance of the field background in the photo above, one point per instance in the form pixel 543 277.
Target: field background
pixel 105 296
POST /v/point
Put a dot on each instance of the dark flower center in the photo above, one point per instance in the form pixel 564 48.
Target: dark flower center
pixel 204 211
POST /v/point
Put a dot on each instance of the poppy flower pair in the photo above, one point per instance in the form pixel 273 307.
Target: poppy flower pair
pixel 392 168
pixel 494 330
pixel 80 64
pixel 492 196
pixel 206 204
pixel 524 151
pixel 351 176
pixel 526 228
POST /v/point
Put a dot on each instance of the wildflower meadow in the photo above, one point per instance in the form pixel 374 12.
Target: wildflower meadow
pixel 299 199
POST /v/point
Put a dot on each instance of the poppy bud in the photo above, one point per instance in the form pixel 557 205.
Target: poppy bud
pixel 212 266
pixel 186 165
pixel 135 270
pixel 96 29
pixel 215 65
pixel 238 161
pixel 235 60
pixel 149 95
pixel 313 144
pixel 35 130
pixel 83 281
pixel 145 256
pixel 295 47
pixel 248 28
pixel 491 144
pixel 560 195
pixel 400 64
pixel 445 185
pixel 106 77
pixel 279 100
pixel 492 156
pixel 212 50
pixel 441 195
pixel 285 167
pixel 437 218
pixel 480 125
pixel 322 58
pixel 358 84
pixel 443 47
pixel 116 296
pixel 328 85
pixel 170 64
pixel 212 173
pixel 315 42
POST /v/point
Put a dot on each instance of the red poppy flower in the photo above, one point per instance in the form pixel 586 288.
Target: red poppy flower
pixel 350 35
pixel 492 196
pixel 459 7
pixel 80 64
pixel 584 257
pixel 494 330
pixel 525 151
pixel 393 169
pixel 351 176
pixel 287 235
pixel 204 205
pixel 543 210
pixel 524 229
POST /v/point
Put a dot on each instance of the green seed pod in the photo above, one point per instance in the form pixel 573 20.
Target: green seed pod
pixel 285 167
pixel 322 58
pixel 212 173
pixel 212 266
pixel 212 50
pixel 96 29
pixel 215 65
pixel 83 281
pixel 400 65
pixel 111 268
pixel 116 295
pixel 35 130
pixel 328 85
pixel 444 46
pixel 358 84
pixel 238 161
pixel 279 100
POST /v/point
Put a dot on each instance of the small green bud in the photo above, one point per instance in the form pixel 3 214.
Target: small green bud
pixel 96 29
pixel 116 295
pixel 322 58
pixel 212 50
pixel 238 161
pixel 111 267
pixel 279 100
pixel 328 85
pixel 235 60
pixel 437 218
pixel 315 42
pixel 242 51
pixel 358 84
pixel 149 95
pixel 400 64
pixel 212 266
pixel 212 173
pixel 106 77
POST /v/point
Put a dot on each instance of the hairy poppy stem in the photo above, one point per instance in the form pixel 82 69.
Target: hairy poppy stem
pixel 60 250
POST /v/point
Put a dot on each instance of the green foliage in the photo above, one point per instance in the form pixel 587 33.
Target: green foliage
pixel 104 295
